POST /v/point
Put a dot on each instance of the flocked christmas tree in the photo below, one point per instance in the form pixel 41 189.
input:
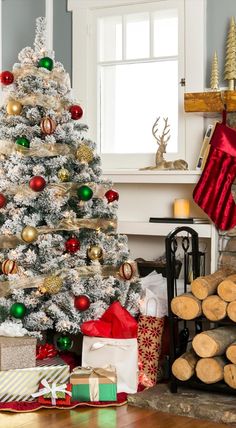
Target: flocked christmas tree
pixel 62 261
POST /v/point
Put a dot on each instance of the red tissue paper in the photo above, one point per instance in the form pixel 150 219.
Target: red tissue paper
pixel 116 322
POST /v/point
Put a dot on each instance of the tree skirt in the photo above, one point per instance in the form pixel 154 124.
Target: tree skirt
pixel 31 406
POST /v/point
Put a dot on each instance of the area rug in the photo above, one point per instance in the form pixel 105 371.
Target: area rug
pixel 197 404
pixel 24 407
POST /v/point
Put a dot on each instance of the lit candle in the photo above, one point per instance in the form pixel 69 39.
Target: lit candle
pixel 181 208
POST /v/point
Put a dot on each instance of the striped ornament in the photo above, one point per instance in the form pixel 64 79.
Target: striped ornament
pixel 126 271
pixel 9 267
pixel 47 125
pixel 19 384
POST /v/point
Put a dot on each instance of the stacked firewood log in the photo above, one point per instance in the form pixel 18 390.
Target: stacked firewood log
pixel 213 354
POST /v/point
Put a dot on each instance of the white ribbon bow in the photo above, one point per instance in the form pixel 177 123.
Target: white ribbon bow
pixel 53 389
pixel 99 345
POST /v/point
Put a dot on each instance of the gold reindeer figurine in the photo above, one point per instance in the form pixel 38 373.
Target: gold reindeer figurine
pixel 162 141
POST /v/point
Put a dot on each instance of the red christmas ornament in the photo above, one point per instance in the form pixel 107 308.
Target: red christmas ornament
pixel 72 245
pixel 81 302
pixel 37 183
pixel 76 112
pixel 3 200
pixel 47 125
pixel 6 77
pixel 112 195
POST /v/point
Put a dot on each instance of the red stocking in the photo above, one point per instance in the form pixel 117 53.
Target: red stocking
pixel 213 190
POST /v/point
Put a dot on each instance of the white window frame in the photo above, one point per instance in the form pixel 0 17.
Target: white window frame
pixel 85 85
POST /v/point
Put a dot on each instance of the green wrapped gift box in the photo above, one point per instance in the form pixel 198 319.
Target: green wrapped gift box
pixel 97 384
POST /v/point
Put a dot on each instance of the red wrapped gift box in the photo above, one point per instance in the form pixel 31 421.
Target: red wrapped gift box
pixel 66 401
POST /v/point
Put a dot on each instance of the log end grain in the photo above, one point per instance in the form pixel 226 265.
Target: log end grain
pixel 186 306
pixel 210 370
pixel 214 308
pixel 231 353
pixel 227 289
pixel 230 375
pixel 204 345
pixel 231 310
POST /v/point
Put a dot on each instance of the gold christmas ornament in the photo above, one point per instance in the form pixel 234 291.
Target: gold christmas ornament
pixel 14 107
pixel 84 154
pixel 9 267
pixel 95 252
pixel 51 285
pixel 29 234
pixel 63 174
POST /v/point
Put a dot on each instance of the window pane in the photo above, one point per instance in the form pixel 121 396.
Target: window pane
pixel 165 28
pixel 137 35
pixel 110 38
pixel 132 97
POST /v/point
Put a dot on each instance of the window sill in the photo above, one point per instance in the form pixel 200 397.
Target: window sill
pixel 165 177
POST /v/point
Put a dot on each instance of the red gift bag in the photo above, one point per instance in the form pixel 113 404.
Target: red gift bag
pixel 213 190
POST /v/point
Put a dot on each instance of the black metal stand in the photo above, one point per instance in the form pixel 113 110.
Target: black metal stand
pixel 185 238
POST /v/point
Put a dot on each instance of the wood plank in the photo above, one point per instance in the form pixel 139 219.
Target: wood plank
pixel 212 101
pixel 89 417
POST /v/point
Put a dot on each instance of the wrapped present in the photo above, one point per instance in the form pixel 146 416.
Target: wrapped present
pixel 150 330
pixel 116 322
pixel 19 385
pixel 98 384
pixel 120 353
pixel 17 352
pixel 53 393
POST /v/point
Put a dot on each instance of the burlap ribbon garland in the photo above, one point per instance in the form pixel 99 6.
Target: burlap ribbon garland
pixel 69 224
pixel 47 101
pixel 62 189
pixel 57 75
pixel 40 150
pixel 84 272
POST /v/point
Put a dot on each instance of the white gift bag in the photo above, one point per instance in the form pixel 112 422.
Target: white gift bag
pixel 121 353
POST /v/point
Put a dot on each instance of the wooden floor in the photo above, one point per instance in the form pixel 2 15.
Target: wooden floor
pixel 119 417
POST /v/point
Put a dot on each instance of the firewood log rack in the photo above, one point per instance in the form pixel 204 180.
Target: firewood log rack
pixel 186 238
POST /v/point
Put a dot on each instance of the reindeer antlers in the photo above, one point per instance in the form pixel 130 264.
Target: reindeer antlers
pixel 161 138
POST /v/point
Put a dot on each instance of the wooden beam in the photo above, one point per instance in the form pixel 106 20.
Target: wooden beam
pixel 213 101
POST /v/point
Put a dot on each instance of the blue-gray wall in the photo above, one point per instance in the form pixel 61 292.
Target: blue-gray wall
pixel 18 29
pixel 219 13
pixel 19 26
pixel 62 34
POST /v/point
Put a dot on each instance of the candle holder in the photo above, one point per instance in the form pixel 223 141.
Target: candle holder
pixel 181 208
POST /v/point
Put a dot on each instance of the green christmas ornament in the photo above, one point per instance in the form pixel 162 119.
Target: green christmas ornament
pixel 46 62
pixel 23 142
pixel 84 193
pixel 64 343
pixel 18 310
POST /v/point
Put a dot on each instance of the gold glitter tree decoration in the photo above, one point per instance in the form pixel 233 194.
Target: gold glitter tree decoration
pixel 215 73
pixel 230 59
pixel 84 154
